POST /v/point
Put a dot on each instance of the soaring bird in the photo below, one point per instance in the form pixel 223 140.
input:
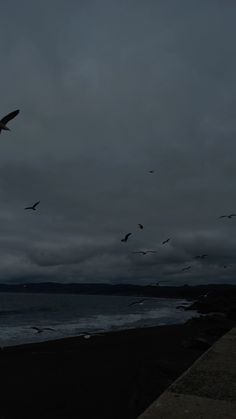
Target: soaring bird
pixel 33 206
pixel 126 237
pixel 140 226
pixel 140 302
pixel 201 256
pixel 166 241
pixel 6 119
pixel 186 269
pixel 42 329
pixel 228 216
pixel 146 251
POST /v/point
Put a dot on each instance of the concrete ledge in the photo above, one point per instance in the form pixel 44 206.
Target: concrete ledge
pixel 206 390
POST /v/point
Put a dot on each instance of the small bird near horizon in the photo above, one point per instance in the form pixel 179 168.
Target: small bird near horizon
pixel 201 256
pixel 42 329
pixel 6 119
pixel 166 241
pixel 33 206
pixel 228 216
pixel 140 226
pixel 126 237
pixel 140 302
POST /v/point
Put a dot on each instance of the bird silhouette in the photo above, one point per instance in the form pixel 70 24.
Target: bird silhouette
pixel 166 241
pixel 139 302
pixel 6 119
pixel 126 237
pixel 145 252
pixel 33 206
pixel 186 269
pixel 201 256
pixel 140 226
pixel 228 216
pixel 41 329
pixel 151 171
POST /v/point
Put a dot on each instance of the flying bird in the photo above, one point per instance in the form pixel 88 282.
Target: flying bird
pixel 126 237
pixel 151 171
pixel 228 216
pixel 6 119
pixel 42 329
pixel 144 253
pixel 140 226
pixel 201 256
pixel 186 269
pixel 140 302
pixel 33 206
pixel 166 241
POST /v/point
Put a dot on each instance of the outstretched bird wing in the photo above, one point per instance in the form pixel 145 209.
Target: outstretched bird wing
pixel 9 116
pixel 36 203
pixel 223 216
pixel 127 236
pixel 141 226
pixel 28 207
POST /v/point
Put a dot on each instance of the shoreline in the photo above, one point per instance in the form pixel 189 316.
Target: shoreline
pixel 115 375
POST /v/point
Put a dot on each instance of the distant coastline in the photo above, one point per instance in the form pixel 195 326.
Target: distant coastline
pixel 163 291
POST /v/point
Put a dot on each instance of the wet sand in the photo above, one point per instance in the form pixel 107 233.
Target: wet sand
pixel 113 376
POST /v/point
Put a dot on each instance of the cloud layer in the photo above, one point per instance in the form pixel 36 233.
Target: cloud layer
pixel 109 90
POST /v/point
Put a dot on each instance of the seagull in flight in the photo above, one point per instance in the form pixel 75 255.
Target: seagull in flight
pixel 144 253
pixel 42 329
pixel 6 119
pixel 139 302
pixel 186 269
pixel 166 241
pixel 140 226
pixel 33 206
pixel 201 256
pixel 126 237
pixel 228 216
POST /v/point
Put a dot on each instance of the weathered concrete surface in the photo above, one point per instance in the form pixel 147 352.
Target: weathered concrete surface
pixel 206 390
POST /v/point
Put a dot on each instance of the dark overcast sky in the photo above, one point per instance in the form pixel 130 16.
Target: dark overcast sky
pixel 109 90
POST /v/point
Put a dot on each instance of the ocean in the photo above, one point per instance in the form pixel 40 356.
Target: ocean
pixel 71 315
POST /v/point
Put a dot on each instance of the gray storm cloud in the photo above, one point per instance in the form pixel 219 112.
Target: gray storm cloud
pixel 109 90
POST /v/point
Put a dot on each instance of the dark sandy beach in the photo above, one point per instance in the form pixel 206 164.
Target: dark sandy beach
pixel 116 375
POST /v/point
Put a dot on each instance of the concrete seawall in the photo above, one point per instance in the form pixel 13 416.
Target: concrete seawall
pixel 207 390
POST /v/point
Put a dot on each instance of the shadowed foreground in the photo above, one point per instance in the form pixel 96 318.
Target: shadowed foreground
pixel 111 376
